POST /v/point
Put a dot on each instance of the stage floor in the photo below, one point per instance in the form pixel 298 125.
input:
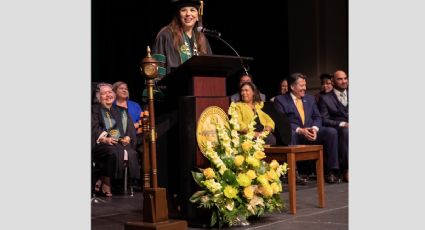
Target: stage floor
pixel 112 214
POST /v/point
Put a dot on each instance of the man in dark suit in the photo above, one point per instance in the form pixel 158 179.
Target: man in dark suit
pixel 306 122
pixel 333 107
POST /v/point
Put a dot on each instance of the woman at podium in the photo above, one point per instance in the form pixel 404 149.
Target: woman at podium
pixel 180 40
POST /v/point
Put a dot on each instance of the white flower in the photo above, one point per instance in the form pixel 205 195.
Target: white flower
pixel 282 169
pixel 230 205
pixel 254 202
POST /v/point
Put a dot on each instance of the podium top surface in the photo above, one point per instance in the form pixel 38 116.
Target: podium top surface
pixel 209 65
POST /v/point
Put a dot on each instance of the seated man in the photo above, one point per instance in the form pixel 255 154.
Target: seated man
pixel 333 107
pixel 245 77
pixel 306 122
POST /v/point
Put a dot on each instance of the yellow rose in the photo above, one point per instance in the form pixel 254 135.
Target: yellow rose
pixel 262 179
pixel 251 174
pixel 239 160
pixel 272 176
pixel 259 155
pixel 253 161
pixel 267 190
pixel 274 164
pixel 246 146
pixel 209 173
pixel 275 187
pixel 230 192
pixel 248 192
pixel 243 180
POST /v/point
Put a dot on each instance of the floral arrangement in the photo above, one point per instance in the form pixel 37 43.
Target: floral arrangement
pixel 238 184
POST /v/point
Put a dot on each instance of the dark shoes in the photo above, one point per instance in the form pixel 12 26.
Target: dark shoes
pixel 300 180
pixel 331 178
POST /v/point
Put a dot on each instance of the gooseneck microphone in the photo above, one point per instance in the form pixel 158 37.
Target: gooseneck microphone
pixel 217 35
pixel 208 31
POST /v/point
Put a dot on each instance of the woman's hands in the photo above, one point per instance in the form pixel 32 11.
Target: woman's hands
pixel 125 140
pixel 108 140
pixel 111 141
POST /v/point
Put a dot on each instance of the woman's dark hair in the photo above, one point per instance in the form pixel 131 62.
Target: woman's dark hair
pixel 256 97
pixel 325 76
pixel 293 78
pixel 280 83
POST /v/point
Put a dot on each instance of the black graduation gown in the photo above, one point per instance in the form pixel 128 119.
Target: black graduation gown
pixel 110 158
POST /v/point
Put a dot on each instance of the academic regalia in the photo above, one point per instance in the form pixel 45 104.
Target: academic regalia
pixel 110 158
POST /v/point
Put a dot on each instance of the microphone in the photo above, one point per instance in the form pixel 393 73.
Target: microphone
pixel 208 31
pixel 217 35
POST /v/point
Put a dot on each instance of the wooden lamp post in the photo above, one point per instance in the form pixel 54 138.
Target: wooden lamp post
pixel 155 210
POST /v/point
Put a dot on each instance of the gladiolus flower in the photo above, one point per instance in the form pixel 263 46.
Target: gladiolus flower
pixel 246 146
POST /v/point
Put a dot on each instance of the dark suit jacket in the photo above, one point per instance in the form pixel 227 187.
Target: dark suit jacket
pixel 285 104
pixel 332 110
pixel 282 126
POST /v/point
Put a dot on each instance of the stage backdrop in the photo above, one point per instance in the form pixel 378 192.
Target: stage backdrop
pixel 121 30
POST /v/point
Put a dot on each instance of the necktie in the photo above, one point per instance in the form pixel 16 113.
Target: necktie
pixel 300 109
pixel 343 99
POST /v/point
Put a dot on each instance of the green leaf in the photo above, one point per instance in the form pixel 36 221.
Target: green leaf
pixel 198 177
pixel 228 162
pixel 230 178
pixel 262 169
pixel 213 218
pixel 196 196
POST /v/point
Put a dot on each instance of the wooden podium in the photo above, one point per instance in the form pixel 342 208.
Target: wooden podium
pixel 195 85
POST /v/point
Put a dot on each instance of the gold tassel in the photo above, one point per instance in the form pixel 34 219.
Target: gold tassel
pixel 201 8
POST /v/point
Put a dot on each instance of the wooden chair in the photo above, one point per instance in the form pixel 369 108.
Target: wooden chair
pixel 292 154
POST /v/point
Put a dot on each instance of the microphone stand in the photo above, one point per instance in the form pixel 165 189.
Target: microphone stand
pixel 222 40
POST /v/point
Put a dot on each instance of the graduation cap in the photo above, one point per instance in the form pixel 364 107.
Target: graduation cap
pixel 183 3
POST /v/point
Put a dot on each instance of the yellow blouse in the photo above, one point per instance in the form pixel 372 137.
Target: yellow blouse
pixel 246 115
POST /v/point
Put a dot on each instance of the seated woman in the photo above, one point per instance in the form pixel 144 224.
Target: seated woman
pixel 250 105
pixel 113 143
pixel 283 88
pixel 122 100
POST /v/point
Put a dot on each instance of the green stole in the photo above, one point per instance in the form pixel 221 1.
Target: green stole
pixel 186 50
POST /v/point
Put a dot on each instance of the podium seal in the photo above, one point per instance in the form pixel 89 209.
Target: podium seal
pixel 206 127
